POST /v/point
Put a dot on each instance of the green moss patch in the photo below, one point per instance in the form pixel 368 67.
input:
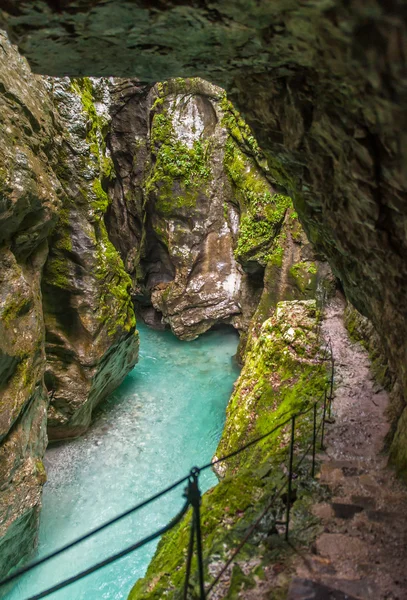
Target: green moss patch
pixel 281 375
pixel 14 308
pixel 303 276
pixel 262 211
pixel 238 128
pixel 97 125
pixel 179 172
pixel 115 301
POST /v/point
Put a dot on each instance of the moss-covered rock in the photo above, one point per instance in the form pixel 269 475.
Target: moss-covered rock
pixel 262 210
pixel 187 219
pixel 292 273
pixel 90 323
pixel 281 374
pixel 361 330
pixel 196 195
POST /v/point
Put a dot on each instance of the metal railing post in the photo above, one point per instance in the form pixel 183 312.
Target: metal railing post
pixel 290 477
pixel 323 422
pixel 332 383
pixel 190 552
pixel 193 494
pixel 314 440
pixel 199 551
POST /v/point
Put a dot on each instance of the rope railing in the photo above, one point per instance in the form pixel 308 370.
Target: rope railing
pixel 192 495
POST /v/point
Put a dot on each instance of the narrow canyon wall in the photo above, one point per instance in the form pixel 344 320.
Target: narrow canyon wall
pixel 30 198
pixel 322 84
pixel 193 213
pixel 91 342
pixel 67 327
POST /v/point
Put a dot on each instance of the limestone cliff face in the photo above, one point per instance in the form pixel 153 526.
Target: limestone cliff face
pixel 91 342
pixel 179 201
pixel 322 85
pixel 65 310
pixel 193 213
pixel 30 197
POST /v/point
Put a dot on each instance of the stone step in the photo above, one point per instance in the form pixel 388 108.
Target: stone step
pixel 365 501
pixel 345 511
pixel 381 516
pixel 307 589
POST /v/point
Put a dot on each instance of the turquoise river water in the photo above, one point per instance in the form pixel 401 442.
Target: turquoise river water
pixel 166 417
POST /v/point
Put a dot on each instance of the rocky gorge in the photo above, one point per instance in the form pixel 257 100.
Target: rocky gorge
pixel 120 195
pixel 322 85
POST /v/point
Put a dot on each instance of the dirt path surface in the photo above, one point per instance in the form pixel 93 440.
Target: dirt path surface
pixel 362 552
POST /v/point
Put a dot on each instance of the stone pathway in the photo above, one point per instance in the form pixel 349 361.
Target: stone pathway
pixel 362 552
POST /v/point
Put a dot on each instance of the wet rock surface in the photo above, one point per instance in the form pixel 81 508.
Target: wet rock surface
pixel 30 197
pixel 176 198
pixel 194 215
pixel 91 343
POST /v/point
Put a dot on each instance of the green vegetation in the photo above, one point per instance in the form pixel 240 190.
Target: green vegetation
pixel 57 272
pixel 18 304
pixel 243 136
pixel 357 326
pixel 115 304
pixel 175 163
pixel 57 269
pixel 276 252
pixel 100 201
pixel 41 472
pixel 115 301
pixel 262 212
pixel 238 128
pixel 97 125
pixel 303 275
pixel 279 376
